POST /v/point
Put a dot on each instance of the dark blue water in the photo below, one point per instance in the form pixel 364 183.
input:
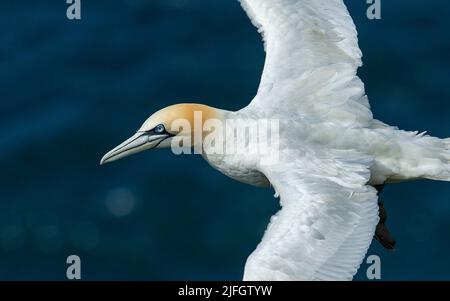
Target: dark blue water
pixel 72 90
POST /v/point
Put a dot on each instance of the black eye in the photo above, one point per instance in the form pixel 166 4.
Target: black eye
pixel 159 129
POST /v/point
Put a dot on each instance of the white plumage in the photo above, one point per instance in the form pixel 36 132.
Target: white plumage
pixel 331 152
pixel 331 147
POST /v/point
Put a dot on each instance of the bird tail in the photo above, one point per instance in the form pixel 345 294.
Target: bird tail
pixel 446 152
pixel 438 165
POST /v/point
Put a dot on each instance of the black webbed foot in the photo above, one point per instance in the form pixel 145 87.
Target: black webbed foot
pixel 382 234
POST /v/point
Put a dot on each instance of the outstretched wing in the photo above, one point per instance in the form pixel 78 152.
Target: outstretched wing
pixel 312 59
pixel 326 223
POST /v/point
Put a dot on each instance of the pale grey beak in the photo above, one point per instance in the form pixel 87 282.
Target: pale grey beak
pixel 138 143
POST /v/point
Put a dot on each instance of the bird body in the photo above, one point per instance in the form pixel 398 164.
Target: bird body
pixel 397 155
pixel 327 152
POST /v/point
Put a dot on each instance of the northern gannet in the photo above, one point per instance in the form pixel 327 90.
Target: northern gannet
pixel 333 156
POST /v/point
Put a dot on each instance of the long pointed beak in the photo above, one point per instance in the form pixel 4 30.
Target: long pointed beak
pixel 137 143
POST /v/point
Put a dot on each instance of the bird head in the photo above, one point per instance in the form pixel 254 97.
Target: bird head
pixel 158 131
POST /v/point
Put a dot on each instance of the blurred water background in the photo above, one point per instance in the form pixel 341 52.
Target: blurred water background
pixel 71 90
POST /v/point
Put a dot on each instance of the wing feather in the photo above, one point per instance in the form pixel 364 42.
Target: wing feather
pixel 326 223
pixel 311 62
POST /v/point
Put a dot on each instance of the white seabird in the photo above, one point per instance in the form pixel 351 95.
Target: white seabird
pixel 332 152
